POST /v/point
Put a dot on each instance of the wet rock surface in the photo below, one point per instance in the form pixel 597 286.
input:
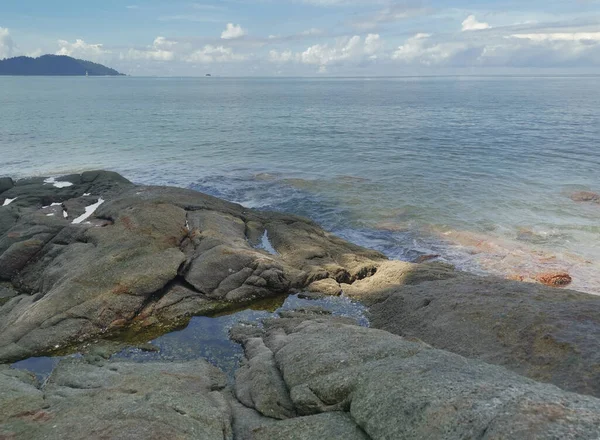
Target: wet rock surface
pixel 548 334
pixel 93 253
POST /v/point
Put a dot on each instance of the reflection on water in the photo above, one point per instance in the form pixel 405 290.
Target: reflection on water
pixel 207 337
pixel 42 367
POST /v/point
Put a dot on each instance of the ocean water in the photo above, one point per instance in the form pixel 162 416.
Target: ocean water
pixel 478 170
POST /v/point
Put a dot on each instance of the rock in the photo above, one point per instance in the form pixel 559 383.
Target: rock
pixel 327 426
pixel 6 183
pixel 555 279
pixel 547 334
pixel 391 274
pixel 425 258
pixel 327 287
pixel 117 400
pixel 385 387
pixel 259 384
pixel 6 293
pixel 19 396
pixel 148 256
pixel 585 196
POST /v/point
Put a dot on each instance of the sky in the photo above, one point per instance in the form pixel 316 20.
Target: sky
pixel 310 37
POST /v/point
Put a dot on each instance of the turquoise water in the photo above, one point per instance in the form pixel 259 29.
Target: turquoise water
pixel 478 170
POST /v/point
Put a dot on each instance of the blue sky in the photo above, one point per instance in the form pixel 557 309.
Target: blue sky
pixel 310 37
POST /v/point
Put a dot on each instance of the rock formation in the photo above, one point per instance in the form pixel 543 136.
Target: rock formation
pixel 307 376
pixel 146 255
pixel 87 256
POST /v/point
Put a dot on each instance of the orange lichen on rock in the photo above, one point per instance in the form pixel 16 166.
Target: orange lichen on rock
pixel 555 279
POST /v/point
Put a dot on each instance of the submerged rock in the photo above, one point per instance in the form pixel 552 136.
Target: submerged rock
pixel 585 196
pixel 541 332
pixel 370 384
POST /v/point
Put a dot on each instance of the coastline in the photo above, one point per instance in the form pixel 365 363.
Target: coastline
pixel 147 259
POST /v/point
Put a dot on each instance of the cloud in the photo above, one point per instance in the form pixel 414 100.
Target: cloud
pixel 389 14
pixel 471 24
pixel 161 50
pixel 232 32
pixel 422 50
pixel 311 32
pixel 501 49
pixel 7 45
pixel 214 54
pixel 81 49
pixel 347 49
pixel 560 36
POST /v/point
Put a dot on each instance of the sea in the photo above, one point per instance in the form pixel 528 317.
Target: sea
pixel 478 171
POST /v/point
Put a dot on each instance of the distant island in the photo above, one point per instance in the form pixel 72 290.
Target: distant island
pixel 53 65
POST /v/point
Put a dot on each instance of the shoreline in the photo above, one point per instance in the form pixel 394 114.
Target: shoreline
pixel 148 259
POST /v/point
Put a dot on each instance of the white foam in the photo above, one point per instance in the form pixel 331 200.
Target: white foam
pixel 89 210
pixel 54 204
pixel 52 181
pixel 9 201
pixel 86 194
pixel 265 244
pixel 50 215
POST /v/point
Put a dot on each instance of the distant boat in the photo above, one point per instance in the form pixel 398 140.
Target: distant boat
pixel 208 74
pixel 86 73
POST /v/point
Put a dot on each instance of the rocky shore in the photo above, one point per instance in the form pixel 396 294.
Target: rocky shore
pixel 86 258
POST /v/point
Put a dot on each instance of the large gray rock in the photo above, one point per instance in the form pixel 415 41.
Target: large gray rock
pixel 392 388
pixel 117 400
pixel 548 334
pixel 147 256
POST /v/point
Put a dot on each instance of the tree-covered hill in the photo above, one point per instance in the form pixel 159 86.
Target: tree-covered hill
pixel 53 65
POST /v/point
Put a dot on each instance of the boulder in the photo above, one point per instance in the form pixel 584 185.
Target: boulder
pixel 116 400
pixel 544 333
pixel 555 279
pixel 147 256
pixel 372 384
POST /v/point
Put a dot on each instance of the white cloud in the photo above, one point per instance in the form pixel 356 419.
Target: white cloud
pixel 422 50
pixel 373 44
pixel 161 50
pixel 471 24
pixel 347 49
pixel 7 45
pixel 164 43
pixel 561 36
pixel 214 54
pixel 283 57
pixel 81 49
pixel 232 31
